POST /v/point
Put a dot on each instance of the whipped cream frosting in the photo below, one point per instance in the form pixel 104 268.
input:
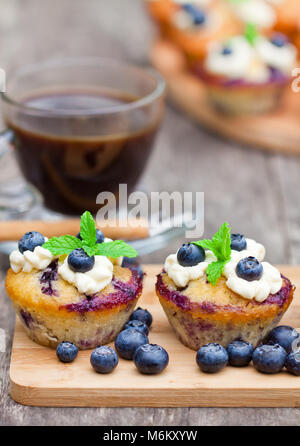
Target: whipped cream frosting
pixel 269 283
pixel 91 281
pixel 183 20
pixel 241 63
pixel 39 259
pixel 258 12
pixel 283 58
pixel 253 249
pixel 181 275
pixel 247 62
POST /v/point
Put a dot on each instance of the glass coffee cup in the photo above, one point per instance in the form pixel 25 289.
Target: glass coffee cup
pixel 81 126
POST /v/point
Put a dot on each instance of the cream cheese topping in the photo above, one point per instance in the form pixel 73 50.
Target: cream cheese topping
pixel 253 249
pixel 234 65
pixel 39 258
pixel 269 283
pixel 181 275
pixel 247 62
pixel 91 281
pixel 257 12
pixel 283 58
pixel 183 20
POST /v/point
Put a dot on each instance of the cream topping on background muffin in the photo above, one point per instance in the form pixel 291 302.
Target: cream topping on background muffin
pixel 236 58
pixel 39 258
pixel 91 281
pixel 283 58
pixel 269 283
pixel 185 21
pixel 257 12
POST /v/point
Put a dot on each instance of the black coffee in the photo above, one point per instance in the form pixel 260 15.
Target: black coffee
pixel 70 171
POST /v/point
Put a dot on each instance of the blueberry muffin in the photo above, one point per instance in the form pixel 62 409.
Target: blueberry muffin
pixel 214 292
pixel 63 293
pixel 248 73
pixel 191 26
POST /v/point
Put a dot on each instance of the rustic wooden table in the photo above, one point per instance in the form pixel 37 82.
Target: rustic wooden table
pixel 257 192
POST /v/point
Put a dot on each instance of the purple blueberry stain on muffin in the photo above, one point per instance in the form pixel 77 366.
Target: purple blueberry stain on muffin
pixel 48 277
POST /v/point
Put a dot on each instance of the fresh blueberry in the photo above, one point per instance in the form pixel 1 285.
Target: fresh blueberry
pixel 104 359
pixel 284 336
pixel 292 363
pixel 190 255
pixel 133 265
pixel 151 359
pixel 79 261
pixel 238 242
pixel 226 50
pixel 128 341
pixel 279 40
pixel 30 240
pixel 239 353
pixel 66 351
pixel 138 325
pixel 99 236
pixel 212 358
pixel 269 358
pixel 249 269
pixel 198 15
pixel 142 315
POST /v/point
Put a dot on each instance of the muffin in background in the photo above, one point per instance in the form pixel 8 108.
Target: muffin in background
pixel 191 26
pixel 248 73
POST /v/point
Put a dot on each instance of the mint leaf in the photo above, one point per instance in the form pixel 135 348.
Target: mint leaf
pixel 90 250
pixel 205 244
pixel 251 33
pixel 115 249
pixel 88 229
pixel 222 242
pixel 62 245
pixel 214 271
pixel 220 246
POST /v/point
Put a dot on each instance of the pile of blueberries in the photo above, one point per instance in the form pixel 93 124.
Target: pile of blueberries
pixel 278 351
pixel 131 343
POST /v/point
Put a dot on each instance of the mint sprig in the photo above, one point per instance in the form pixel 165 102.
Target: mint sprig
pixel 220 246
pixel 65 244
pixel 251 33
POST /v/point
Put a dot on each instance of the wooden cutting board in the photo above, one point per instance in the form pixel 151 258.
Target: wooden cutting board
pixel 39 379
pixel 275 131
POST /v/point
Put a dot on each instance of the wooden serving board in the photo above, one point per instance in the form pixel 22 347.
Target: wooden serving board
pixel 39 379
pixel 276 131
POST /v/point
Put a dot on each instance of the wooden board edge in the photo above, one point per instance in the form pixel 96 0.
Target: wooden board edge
pixel 153 397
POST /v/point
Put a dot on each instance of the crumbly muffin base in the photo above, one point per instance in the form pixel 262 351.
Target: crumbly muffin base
pixel 199 323
pixel 52 311
pixel 86 330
